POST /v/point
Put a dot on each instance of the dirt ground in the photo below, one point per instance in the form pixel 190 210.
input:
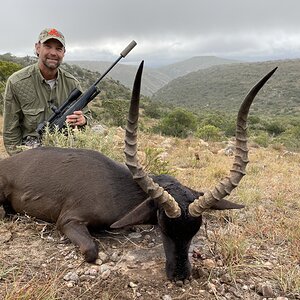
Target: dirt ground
pixel 235 255
pixel 35 259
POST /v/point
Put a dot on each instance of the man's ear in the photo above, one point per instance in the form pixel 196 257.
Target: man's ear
pixel 37 48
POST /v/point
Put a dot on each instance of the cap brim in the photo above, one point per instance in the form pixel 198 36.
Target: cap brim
pixel 53 38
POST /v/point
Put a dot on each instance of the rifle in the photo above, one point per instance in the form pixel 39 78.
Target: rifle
pixel 77 100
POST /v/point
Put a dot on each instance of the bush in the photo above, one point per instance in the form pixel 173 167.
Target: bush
pixel 179 123
pixel 209 133
pixel 262 139
pixel 226 123
pixel 115 111
pixel 290 138
pixel 85 139
pixel 6 69
pixel 153 110
pixel 275 128
pixel 154 164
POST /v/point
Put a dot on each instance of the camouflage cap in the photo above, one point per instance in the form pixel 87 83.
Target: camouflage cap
pixel 51 33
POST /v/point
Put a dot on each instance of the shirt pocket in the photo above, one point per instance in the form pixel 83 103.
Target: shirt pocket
pixel 32 117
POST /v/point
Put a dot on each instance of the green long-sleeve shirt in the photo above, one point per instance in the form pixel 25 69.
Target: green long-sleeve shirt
pixel 28 99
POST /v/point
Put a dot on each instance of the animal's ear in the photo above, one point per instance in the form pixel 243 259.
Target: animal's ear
pixel 221 204
pixel 226 204
pixel 143 213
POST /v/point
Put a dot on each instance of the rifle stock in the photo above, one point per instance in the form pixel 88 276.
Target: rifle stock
pixel 77 100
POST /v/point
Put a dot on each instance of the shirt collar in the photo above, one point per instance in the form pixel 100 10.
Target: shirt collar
pixel 41 78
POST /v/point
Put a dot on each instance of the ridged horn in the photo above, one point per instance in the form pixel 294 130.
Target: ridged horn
pixel 225 186
pixel 156 192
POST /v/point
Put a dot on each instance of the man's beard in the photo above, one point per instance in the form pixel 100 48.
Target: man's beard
pixel 54 64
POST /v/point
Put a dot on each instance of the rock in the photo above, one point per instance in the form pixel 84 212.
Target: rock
pixel 105 271
pixel 99 128
pixel 196 253
pixel 115 257
pixel 265 289
pixel 268 265
pixel 225 278
pixel 211 288
pixel 71 255
pixel 105 274
pixel 104 268
pixel 70 284
pixel 147 237
pixel 209 263
pixel 179 283
pixel 102 256
pixel 71 276
pixel 134 235
pixel 132 284
pixel 98 262
pixel 5 235
pixel 91 272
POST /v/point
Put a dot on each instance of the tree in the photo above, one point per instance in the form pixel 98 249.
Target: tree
pixel 179 123
pixel 7 68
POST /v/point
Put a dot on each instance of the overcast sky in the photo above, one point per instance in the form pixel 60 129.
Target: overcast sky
pixel 166 31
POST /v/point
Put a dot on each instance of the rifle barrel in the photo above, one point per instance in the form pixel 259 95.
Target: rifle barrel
pixel 122 54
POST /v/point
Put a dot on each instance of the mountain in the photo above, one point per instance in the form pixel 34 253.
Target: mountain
pixel 193 64
pixel 153 78
pixel 110 89
pixel 222 88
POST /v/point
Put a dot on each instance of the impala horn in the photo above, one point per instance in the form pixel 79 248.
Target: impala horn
pixel 156 192
pixel 225 186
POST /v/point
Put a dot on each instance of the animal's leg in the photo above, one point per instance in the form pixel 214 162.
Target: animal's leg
pixel 2 200
pixel 79 235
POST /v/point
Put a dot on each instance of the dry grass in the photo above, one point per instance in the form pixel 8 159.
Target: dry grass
pixel 263 238
pixel 260 242
pixel 24 287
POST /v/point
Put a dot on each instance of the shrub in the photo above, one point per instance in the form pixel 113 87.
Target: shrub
pixel 179 123
pixel 262 139
pixel 115 111
pixel 152 110
pixel 6 69
pixel 154 164
pixel 85 139
pixel 209 133
pixel 275 128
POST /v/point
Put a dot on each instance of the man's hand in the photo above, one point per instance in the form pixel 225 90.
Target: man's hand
pixel 76 119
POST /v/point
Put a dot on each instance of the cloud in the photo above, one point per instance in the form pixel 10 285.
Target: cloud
pixel 165 30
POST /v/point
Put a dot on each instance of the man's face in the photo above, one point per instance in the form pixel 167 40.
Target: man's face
pixel 51 53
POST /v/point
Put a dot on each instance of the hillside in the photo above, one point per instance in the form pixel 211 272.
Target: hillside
pixel 193 64
pixel 110 89
pixel 222 88
pixel 153 78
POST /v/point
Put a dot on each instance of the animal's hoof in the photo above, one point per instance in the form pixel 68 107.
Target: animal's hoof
pixel 91 255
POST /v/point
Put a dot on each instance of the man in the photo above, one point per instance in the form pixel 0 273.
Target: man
pixel 32 92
